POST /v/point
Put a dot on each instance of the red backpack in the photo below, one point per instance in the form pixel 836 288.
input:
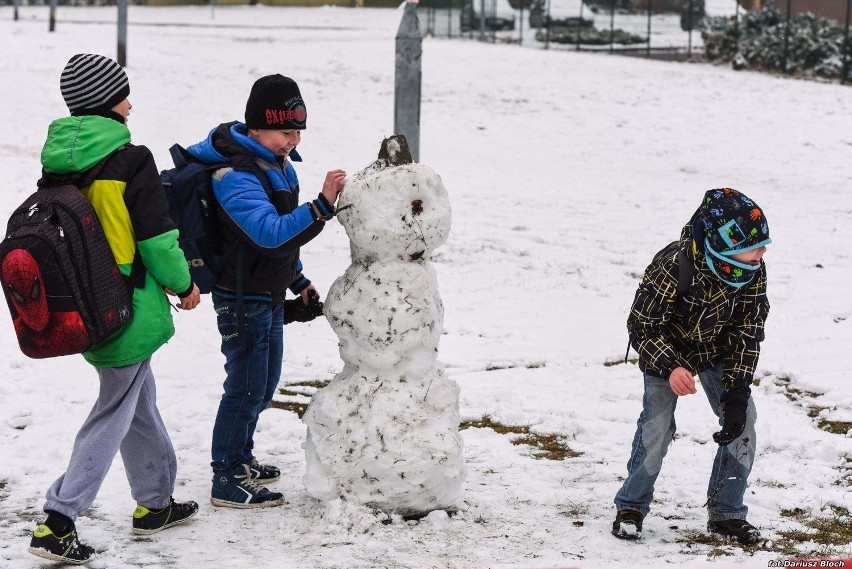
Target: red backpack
pixel 59 276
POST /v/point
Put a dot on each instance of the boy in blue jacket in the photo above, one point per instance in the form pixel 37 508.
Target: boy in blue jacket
pixel 261 227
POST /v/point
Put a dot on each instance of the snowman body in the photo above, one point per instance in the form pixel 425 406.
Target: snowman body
pixel 384 432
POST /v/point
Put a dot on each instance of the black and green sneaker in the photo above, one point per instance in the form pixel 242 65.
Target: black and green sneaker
pixel 66 548
pixel 146 522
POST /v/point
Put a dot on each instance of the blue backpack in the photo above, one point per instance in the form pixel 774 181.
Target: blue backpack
pixel 192 207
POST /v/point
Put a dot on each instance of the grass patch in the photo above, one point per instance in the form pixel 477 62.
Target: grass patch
pixel 835 427
pixel 530 365
pixel 545 446
pixel 610 363
pixel 801 396
pixel 298 390
pixel 831 530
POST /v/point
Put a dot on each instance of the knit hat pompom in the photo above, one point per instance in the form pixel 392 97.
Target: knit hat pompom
pixel 275 102
pixel 91 81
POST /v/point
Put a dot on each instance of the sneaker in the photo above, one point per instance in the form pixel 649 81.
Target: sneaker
pixel 740 530
pixel 264 472
pixel 66 549
pixel 146 522
pixel 238 490
pixel 627 525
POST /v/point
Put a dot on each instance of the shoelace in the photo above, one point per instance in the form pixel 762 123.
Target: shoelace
pixel 249 482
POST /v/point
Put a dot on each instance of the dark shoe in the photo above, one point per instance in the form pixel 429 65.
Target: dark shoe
pixel 66 549
pixel 265 473
pixel 627 524
pixel 146 522
pixel 740 530
pixel 238 490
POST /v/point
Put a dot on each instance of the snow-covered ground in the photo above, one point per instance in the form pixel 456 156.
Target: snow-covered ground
pixel 566 173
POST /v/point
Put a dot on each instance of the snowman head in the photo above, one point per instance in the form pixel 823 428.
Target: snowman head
pixel 399 212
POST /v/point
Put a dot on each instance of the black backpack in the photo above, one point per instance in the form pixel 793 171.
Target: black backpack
pixel 192 207
pixel 685 272
pixel 63 287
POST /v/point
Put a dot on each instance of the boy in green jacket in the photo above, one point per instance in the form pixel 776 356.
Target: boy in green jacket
pixel 132 207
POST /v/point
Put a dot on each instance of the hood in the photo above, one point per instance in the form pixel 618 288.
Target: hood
pixel 75 144
pixel 229 142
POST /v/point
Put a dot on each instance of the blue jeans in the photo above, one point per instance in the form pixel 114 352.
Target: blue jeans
pixel 654 432
pixel 252 368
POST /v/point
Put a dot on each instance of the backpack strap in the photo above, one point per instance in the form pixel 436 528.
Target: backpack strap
pixel 685 272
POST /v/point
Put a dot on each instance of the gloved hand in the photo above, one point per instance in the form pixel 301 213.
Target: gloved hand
pixel 297 311
pixel 733 420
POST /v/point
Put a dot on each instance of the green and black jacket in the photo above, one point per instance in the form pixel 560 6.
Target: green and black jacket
pixel 708 324
pixel 132 207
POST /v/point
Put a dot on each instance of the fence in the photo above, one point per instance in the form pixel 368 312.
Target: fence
pixel 806 37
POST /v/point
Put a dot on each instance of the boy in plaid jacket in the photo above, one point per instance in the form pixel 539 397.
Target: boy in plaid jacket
pixel 713 329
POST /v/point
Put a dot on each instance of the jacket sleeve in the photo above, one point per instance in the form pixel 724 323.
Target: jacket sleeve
pixel 743 336
pixel 652 309
pixel 250 212
pixel 155 232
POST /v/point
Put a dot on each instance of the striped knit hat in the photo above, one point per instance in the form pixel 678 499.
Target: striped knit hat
pixel 93 81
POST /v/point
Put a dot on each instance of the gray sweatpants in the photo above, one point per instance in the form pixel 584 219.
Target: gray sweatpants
pixel 125 418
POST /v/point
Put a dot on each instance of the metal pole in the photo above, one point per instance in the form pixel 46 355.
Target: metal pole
pixel 737 29
pixel 481 20
pixel 450 19
pixel 786 41
pixel 650 8
pixel 52 19
pixel 845 76
pixel 689 42
pixel 493 14
pixel 122 33
pixel 612 27
pixel 521 25
pixel 17 2
pixel 547 22
pixel 406 108
pixel 580 24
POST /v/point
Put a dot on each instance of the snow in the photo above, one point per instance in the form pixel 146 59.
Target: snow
pixel 566 172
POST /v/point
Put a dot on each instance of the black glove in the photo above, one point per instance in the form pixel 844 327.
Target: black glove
pixel 733 420
pixel 296 310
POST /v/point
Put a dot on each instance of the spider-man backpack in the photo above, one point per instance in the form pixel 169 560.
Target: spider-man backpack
pixel 59 276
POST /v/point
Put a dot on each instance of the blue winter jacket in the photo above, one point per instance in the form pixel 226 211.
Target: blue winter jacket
pixel 270 225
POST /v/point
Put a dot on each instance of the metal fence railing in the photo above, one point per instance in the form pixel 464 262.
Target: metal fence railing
pixel 805 37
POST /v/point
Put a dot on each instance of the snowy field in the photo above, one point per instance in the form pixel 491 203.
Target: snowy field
pixel 566 173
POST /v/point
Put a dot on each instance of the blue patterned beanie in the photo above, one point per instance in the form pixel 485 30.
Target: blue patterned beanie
pixel 727 223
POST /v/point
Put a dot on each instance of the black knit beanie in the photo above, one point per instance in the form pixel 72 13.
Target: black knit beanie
pixel 275 102
pixel 92 81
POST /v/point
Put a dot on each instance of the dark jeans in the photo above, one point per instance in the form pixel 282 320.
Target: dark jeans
pixel 253 368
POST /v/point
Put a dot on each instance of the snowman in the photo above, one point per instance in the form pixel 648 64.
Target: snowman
pixel 385 432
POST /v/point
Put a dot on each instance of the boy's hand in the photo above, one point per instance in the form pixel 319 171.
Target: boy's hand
pixel 733 420
pixel 682 382
pixel 333 185
pixel 296 310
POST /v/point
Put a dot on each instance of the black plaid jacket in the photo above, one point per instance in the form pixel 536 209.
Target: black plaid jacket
pixel 710 323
